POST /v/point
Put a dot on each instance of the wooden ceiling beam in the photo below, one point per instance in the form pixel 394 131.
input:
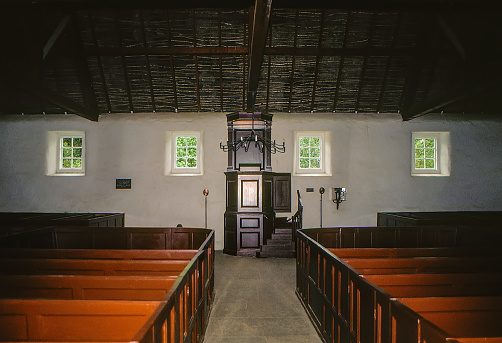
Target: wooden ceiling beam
pixel 43 93
pixel 387 5
pixel 83 74
pixel 453 96
pixel 258 37
pixel 452 37
pixel 63 23
pixel 165 51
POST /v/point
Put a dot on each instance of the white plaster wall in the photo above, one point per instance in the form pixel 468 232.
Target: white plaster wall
pixel 370 157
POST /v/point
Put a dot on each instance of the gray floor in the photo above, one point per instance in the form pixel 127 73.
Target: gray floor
pixel 255 301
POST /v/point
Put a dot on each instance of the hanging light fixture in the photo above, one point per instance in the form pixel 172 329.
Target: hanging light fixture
pixel 253 138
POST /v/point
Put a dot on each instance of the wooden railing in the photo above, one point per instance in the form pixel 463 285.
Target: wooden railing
pixel 346 307
pixel 297 218
pixel 185 314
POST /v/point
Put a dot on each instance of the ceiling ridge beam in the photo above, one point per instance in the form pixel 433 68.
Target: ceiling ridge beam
pixel 261 18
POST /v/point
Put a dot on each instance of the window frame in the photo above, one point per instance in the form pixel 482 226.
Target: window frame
pixel 442 158
pixel 171 167
pixel 325 154
pixel 55 154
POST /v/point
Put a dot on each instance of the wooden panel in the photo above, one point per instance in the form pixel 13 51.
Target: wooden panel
pixel 250 240
pixel 148 241
pixel 110 240
pixel 232 194
pixel 181 240
pixel 250 223
pixel 282 192
pixel 250 193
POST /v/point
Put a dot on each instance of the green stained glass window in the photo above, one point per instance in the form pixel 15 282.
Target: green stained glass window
pixel 186 152
pixel 71 153
pixel 425 153
pixel 310 152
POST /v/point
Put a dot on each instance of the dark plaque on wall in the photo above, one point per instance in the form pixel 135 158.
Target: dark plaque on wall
pixel 123 183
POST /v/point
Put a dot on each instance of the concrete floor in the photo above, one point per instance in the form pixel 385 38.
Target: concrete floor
pixel 255 301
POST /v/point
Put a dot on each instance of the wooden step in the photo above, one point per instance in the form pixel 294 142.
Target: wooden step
pixel 280 254
pixel 283 230
pixel 275 242
pixel 282 236
pixel 278 247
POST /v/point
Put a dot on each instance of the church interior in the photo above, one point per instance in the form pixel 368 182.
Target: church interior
pixel 152 151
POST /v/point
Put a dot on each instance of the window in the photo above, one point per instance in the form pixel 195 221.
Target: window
pixel 66 153
pixel 312 153
pixel 186 152
pixel 183 153
pixel 71 156
pixel 430 154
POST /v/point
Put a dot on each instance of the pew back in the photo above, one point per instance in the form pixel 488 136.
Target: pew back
pixel 85 287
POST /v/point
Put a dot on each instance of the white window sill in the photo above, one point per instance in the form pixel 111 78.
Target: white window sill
pixel 184 174
pixel 311 174
pixel 67 174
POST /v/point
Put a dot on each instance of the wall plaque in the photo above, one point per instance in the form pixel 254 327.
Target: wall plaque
pixel 123 183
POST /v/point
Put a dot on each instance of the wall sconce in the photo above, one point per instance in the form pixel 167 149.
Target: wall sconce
pixel 339 195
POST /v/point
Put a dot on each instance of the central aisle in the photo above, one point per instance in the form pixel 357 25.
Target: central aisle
pixel 255 302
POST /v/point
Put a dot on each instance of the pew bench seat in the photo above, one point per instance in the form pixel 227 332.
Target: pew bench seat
pixel 461 317
pixel 73 320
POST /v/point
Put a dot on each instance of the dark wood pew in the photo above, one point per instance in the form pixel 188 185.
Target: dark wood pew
pixel 461 317
pixel 423 285
pixel 425 265
pixel 95 254
pixel 35 266
pixel 136 275
pixel 73 320
pixel 414 252
pixel 85 287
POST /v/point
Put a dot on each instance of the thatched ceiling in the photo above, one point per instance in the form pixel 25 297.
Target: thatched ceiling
pixel 98 57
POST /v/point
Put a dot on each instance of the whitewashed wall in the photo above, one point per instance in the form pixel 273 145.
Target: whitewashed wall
pixel 370 157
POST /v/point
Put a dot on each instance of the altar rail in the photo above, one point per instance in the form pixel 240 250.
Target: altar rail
pixel 179 316
pixel 346 305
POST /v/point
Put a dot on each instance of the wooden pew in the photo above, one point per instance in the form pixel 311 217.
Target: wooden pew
pixel 85 287
pixel 432 295
pixel 36 266
pixel 461 317
pixel 345 253
pixel 425 265
pixel 422 285
pixel 72 320
pixel 95 254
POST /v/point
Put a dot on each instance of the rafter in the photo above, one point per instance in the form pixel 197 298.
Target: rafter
pixel 452 37
pixel 55 36
pixel 455 95
pixel 55 98
pixel 258 37
pixel 84 77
